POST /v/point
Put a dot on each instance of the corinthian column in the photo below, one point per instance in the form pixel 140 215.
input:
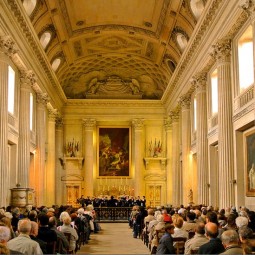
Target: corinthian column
pixel 202 142
pixel 26 81
pixel 40 151
pixel 169 174
pixel 186 169
pixel 176 173
pixel 222 51
pixel 138 156
pixel 3 133
pixel 89 125
pixel 51 160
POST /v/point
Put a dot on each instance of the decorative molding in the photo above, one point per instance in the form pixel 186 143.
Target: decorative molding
pixel 248 6
pixel 162 161
pixel 175 115
pixel 221 51
pixel 185 101
pixel 200 82
pixel 42 98
pixel 243 112
pixel 168 124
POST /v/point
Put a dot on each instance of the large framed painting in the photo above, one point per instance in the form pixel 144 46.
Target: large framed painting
pixel 114 151
pixel 250 162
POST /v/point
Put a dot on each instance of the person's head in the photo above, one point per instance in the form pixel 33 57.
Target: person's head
pixel 5 234
pixel 34 228
pixel 191 215
pixel 160 218
pixel 169 228
pixel 24 226
pixel 241 221
pixel 150 211
pixel 245 233
pixel 178 222
pixel 211 230
pixel 62 215
pixel 66 220
pixel 80 211
pixel 32 215
pixel 200 228
pixel 229 237
pixel 211 217
pixel 52 222
pixel 43 219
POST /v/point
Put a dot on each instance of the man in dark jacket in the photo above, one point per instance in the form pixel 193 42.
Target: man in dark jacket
pixel 165 245
pixel 214 246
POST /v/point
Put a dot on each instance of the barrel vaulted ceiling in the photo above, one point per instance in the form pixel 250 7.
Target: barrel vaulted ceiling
pixel 117 49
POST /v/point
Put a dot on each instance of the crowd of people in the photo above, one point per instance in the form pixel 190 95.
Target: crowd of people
pixel 56 230
pixel 201 229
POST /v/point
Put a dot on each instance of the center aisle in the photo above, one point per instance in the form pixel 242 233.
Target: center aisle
pixel 114 238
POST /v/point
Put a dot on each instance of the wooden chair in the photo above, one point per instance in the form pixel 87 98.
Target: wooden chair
pixel 179 243
pixel 68 237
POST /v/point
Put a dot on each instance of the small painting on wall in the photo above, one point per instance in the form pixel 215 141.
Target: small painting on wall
pixel 113 151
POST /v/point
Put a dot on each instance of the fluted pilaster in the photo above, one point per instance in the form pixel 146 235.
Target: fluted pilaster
pixel 202 142
pixel 138 149
pixel 40 150
pixel 169 173
pixel 24 129
pixel 3 134
pixel 88 129
pixel 51 158
pixel 176 173
pixel 222 52
pixel 59 154
pixel 185 136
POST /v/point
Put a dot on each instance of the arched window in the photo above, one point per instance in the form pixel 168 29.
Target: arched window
pixel 29 6
pixel 171 65
pixel 45 39
pixel 11 90
pixel 245 59
pixel 197 7
pixel 182 41
pixel 56 63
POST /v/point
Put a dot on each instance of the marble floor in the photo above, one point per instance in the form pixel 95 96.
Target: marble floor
pixel 114 238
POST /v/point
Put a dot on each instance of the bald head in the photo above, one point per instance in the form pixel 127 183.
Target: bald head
pixel 211 230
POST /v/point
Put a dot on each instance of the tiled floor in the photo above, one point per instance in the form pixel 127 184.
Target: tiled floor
pixel 114 238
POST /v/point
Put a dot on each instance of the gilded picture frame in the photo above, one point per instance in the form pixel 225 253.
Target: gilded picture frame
pixel 113 151
pixel 249 157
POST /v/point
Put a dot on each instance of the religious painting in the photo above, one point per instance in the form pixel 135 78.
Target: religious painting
pixel 250 162
pixel 113 151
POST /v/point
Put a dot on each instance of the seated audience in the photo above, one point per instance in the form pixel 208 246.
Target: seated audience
pixel 230 241
pixel 198 239
pixel 246 238
pixel 190 224
pixel 241 221
pixel 214 246
pixel 33 235
pixel 23 243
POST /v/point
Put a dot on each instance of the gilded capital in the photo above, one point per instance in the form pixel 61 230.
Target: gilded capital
pixel 7 45
pixel 138 124
pixel 168 123
pixel 174 115
pixel 221 51
pixel 89 123
pixel 42 98
pixel 185 100
pixel 28 77
pixel 200 82
pixel 248 6
pixel 53 114
pixel 59 122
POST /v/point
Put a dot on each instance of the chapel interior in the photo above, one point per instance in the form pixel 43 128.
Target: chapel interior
pixel 168 83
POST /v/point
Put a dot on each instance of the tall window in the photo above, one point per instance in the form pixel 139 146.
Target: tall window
pixel 195 114
pixel 214 91
pixel 11 90
pixel 31 111
pixel 45 39
pixel 29 6
pixel 245 59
